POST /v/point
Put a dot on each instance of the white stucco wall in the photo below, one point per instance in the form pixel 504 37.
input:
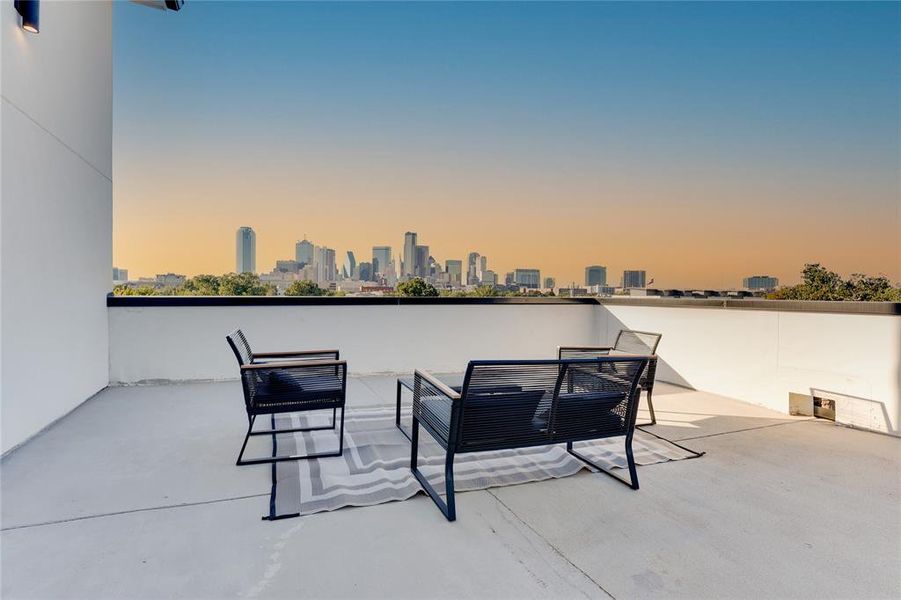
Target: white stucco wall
pixel 757 356
pixel 183 343
pixel 55 213
pixel 761 356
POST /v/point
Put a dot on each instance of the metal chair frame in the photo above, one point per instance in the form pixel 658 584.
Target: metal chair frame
pixel 454 442
pixel 251 362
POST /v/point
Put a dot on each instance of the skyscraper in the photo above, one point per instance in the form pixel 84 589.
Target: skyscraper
pixel 421 262
pixel 595 275
pixel 350 265
pixel 482 268
pixel 527 278
pixel 473 264
pixel 454 270
pixel 327 270
pixel 365 271
pixel 303 252
pixel 550 283
pixel 634 279
pixel 381 260
pixel 245 250
pixel 408 268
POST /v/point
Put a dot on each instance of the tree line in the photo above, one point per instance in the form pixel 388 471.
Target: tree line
pixel 818 283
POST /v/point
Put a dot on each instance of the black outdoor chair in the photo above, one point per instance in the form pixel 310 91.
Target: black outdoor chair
pixel 287 382
pixel 627 342
pixel 507 404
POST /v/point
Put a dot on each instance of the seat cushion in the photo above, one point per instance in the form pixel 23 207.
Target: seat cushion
pixel 492 418
pixel 283 382
pixel 283 389
pixel 572 405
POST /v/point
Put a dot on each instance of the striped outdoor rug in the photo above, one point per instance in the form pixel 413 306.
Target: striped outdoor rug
pixel 375 467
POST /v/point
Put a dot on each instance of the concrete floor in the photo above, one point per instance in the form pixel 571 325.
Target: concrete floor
pixel 135 494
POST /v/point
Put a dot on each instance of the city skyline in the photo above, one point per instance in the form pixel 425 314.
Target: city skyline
pixel 317 264
pixel 699 142
pixel 308 252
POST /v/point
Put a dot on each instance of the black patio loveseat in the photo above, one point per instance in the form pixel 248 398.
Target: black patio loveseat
pixel 288 382
pixel 507 404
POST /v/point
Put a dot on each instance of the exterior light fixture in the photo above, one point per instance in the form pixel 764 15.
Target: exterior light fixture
pixel 162 4
pixel 28 14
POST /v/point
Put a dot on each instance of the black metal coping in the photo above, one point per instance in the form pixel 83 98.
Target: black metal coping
pixel 330 300
pixel 807 306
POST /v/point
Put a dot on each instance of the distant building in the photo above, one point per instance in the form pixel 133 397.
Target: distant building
pixel 381 260
pixel 408 267
pixel 645 292
pixel 434 268
pixel 170 279
pixel 482 268
pixel 508 278
pixel 473 263
pixel 303 252
pixel 527 278
pixel 602 290
pixel 634 279
pixel 366 272
pixel 326 269
pixel 763 283
pixel 489 277
pixel 349 270
pixel 245 250
pixel 550 283
pixel 421 262
pixel 572 292
pixel 287 266
pixel 595 275
pixel 120 275
pixel 454 270
pixel 373 289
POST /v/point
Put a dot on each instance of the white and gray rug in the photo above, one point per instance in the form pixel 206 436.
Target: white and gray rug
pixel 375 467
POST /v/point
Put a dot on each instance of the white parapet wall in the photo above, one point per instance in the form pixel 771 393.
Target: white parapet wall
pixel 188 342
pixel 761 356
pixel 756 355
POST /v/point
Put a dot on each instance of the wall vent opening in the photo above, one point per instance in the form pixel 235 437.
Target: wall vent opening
pixel 824 408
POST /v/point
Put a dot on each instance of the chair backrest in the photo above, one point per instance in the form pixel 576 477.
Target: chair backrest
pixel 600 398
pixel 510 404
pixel 500 400
pixel 240 347
pixel 637 342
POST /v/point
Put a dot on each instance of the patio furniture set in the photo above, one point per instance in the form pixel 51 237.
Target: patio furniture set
pixel 586 393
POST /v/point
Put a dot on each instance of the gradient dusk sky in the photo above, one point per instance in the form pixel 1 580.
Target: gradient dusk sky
pixel 703 142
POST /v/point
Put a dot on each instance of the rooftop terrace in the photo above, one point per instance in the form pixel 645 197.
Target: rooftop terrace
pixel 119 500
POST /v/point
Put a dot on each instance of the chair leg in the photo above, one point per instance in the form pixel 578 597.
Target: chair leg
pixel 451 513
pixel 448 509
pixel 300 429
pixel 630 459
pixel 414 444
pixel 397 412
pixel 651 408
pixel 250 421
pixel 341 434
pixel 274 459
